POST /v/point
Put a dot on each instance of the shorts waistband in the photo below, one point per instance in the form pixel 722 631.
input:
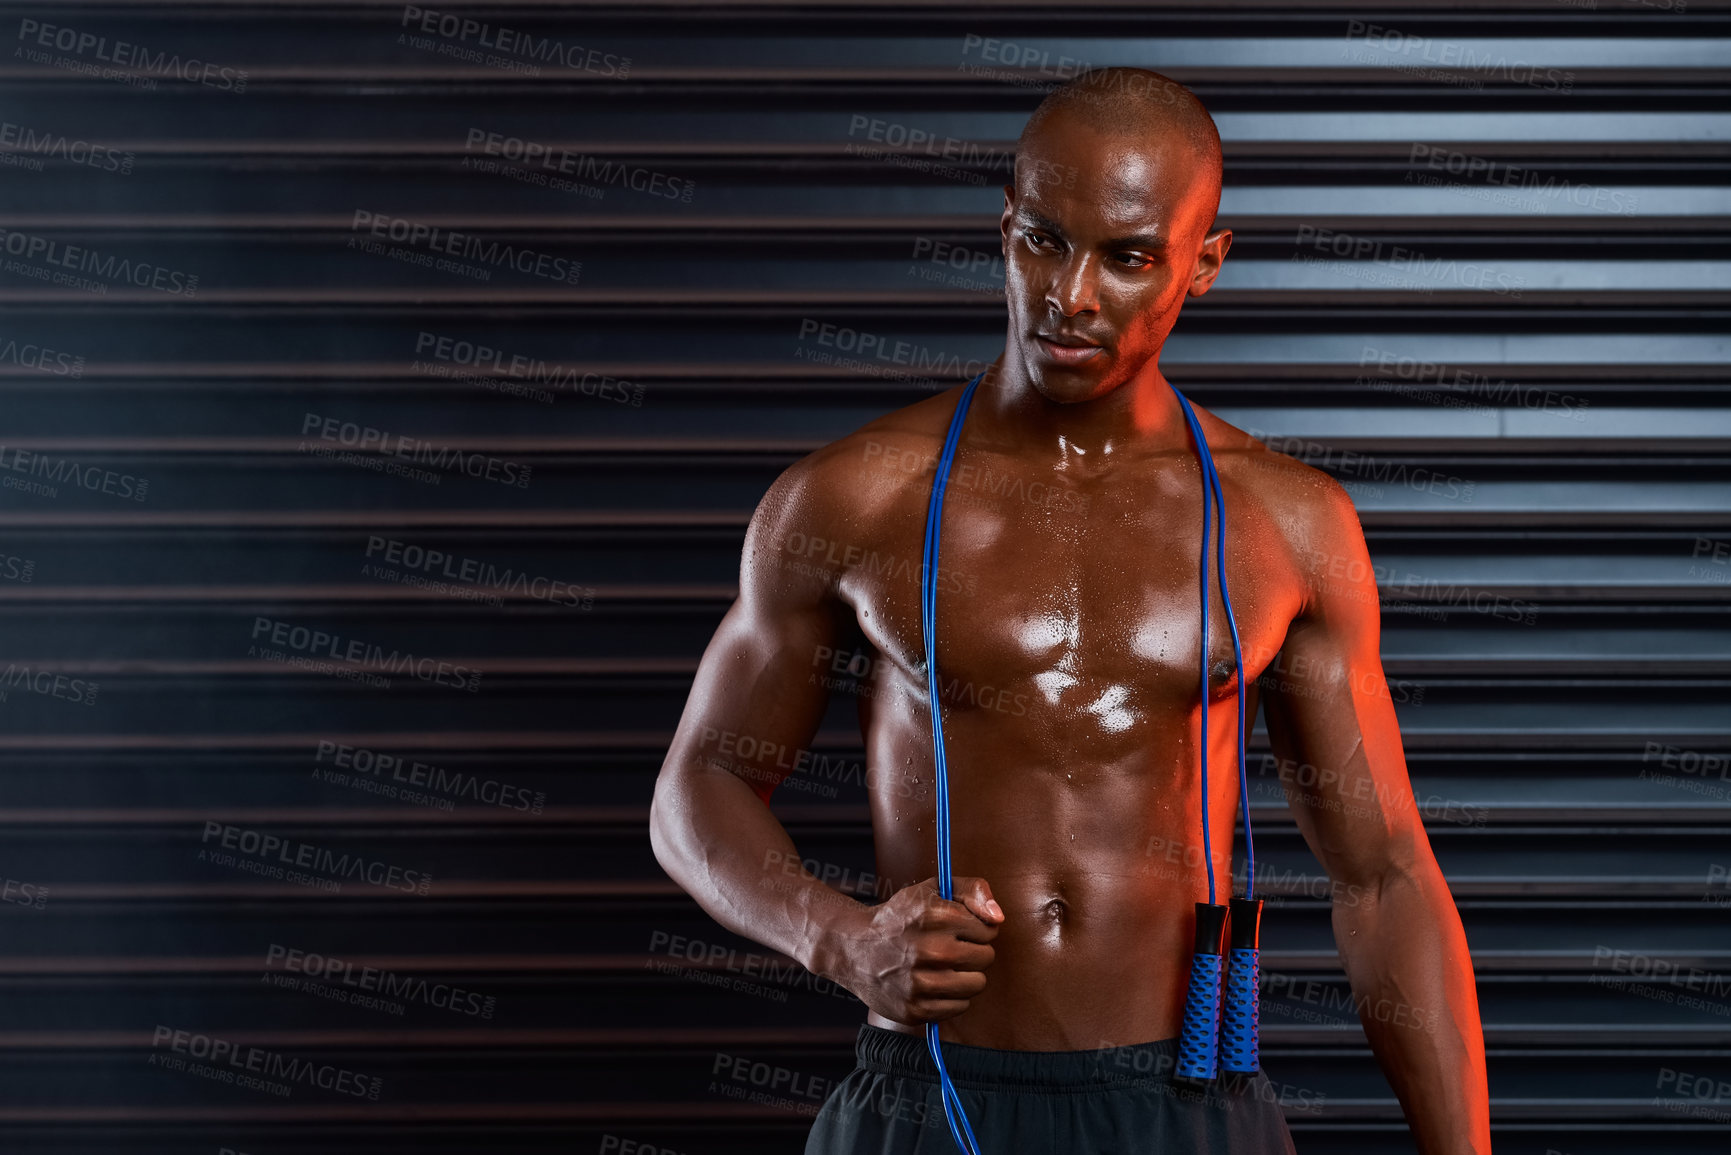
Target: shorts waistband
pixel 895 1053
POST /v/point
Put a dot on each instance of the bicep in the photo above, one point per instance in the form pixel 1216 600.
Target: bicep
pixel 1331 719
pixel 756 700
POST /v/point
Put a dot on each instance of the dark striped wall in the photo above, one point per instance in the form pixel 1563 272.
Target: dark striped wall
pixel 1481 274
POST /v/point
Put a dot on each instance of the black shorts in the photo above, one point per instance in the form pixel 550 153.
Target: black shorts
pixel 1113 1101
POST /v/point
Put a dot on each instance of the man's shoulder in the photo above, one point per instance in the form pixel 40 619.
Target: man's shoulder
pixel 1309 505
pixel 871 472
pixel 1312 513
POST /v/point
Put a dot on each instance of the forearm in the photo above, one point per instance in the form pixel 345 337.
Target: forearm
pixel 716 839
pixel 1412 980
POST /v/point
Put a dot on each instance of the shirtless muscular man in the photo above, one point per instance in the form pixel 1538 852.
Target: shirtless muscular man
pixel 1061 967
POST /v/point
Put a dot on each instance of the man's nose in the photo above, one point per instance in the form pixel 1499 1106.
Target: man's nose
pixel 1076 287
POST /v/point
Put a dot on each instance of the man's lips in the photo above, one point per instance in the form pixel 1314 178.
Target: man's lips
pixel 1065 349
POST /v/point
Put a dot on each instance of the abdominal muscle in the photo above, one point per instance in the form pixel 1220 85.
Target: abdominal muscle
pixel 1103 970
pixel 1097 868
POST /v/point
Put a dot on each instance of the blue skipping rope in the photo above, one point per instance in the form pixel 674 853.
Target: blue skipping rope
pixel 1202 1012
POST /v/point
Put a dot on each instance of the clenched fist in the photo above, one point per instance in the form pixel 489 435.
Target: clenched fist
pixel 919 958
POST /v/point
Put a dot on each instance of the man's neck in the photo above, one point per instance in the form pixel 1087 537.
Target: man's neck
pixel 1083 437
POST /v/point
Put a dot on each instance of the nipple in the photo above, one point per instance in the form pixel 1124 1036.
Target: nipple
pixel 1221 673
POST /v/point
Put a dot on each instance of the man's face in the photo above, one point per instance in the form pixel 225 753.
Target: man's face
pixel 1104 236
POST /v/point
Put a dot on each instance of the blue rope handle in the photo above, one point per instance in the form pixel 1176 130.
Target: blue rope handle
pixel 953 1110
pixel 1211 479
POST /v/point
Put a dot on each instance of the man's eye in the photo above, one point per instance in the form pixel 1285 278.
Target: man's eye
pixel 1133 261
pixel 1037 239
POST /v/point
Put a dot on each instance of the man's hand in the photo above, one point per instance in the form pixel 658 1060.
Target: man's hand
pixel 917 958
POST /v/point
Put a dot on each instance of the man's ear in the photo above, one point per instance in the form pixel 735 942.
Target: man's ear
pixel 1209 260
pixel 1004 219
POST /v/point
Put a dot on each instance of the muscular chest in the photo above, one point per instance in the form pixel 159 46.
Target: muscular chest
pixel 1081 601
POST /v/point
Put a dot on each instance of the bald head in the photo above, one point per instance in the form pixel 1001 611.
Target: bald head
pixel 1136 103
pixel 1107 228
